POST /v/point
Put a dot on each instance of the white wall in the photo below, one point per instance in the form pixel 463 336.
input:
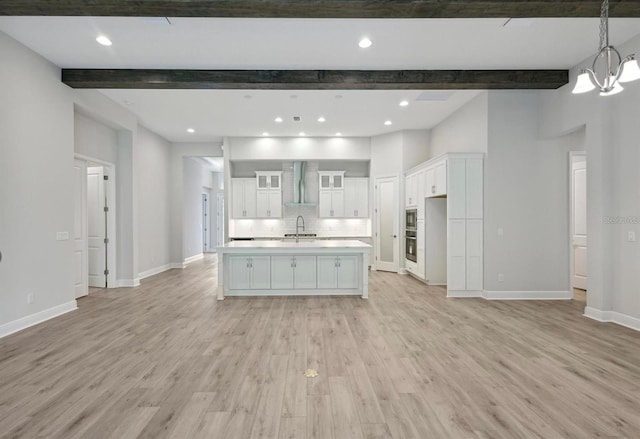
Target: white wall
pixel 415 147
pixel 463 131
pixel 154 215
pixel 192 206
pixel 527 195
pixel 36 185
pixel 94 139
pixel 298 148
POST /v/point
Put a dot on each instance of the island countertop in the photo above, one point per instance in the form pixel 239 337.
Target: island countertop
pixel 290 245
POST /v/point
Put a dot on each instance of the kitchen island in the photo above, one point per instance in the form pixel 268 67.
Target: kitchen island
pixel 279 268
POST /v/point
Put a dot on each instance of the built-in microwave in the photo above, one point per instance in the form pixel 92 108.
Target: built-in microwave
pixel 411 219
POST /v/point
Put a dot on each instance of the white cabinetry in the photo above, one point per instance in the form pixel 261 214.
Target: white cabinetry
pixel 356 197
pixel 331 199
pixel 339 272
pixel 243 196
pixel 288 272
pixel 411 190
pixel 249 273
pixel 436 180
pixel 269 194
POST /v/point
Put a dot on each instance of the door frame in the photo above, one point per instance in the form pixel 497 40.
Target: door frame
pixel 112 245
pixel 84 224
pixel 206 220
pixel 572 155
pixel 220 218
pixel 376 216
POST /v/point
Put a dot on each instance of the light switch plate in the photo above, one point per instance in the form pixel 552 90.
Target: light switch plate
pixel 631 236
pixel 62 236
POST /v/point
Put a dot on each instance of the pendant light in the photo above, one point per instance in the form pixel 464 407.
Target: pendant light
pixel 617 69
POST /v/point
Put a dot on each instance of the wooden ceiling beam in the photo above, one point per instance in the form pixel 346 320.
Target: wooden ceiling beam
pixel 321 8
pixel 315 79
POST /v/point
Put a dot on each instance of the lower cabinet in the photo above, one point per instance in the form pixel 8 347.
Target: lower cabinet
pixel 289 272
pixel 249 273
pixel 337 272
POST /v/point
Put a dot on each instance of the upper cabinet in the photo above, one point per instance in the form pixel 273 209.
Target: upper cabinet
pixel 356 197
pixel 269 194
pixel 269 180
pixel 331 199
pixel 243 196
pixel 436 180
pixel 411 190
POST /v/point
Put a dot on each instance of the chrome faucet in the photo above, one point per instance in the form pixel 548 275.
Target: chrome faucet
pixel 298 225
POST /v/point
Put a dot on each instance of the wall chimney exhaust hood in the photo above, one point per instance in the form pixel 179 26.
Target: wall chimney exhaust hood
pixel 299 171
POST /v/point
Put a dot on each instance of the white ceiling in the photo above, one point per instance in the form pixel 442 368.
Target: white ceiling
pixel 235 43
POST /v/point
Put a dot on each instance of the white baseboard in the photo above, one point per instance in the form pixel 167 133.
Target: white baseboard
pixel 34 319
pixel 153 271
pixel 194 258
pixel 612 317
pixel 128 283
pixel 464 293
pixel 527 295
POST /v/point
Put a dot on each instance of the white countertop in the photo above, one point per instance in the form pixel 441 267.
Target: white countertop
pixel 305 245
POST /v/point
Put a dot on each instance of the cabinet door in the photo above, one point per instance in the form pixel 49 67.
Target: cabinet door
pixel 282 272
pixel 362 198
pixel 474 255
pixel 239 273
pixel 327 272
pixel 456 255
pixel 262 181
pixel 474 183
pixel 324 204
pixel 430 182
pixel 262 204
pixel 420 269
pixel 337 204
pixel 419 188
pixel 441 178
pixel 325 181
pixel 275 204
pixel 274 181
pixel 456 197
pixel 408 183
pixel 338 181
pixel 250 193
pixel 260 272
pixel 305 272
pixel 348 272
pixel 237 195
pixel 351 198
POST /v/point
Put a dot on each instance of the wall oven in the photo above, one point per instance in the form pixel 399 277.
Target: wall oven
pixel 411 219
pixel 411 245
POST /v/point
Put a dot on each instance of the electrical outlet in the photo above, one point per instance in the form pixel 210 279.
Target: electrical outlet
pixel 62 236
pixel 500 277
pixel 631 236
pixel 500 232
pixel 30 298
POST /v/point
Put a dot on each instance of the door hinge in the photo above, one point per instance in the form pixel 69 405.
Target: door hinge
pixel 106 272
pixel 106 240
pixel 106 209
pixel 106 177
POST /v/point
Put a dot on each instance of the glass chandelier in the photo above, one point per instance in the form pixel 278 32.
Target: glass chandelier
pixel 616 69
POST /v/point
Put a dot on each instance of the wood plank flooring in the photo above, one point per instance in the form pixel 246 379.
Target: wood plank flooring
pixel 167 360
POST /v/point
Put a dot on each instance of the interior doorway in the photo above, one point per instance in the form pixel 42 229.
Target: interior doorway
pixel 386 215
pixel 94 225
pixel 206 223
pixel 219 219
pixel 578 226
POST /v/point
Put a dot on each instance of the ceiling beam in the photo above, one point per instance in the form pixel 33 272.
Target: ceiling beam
pixel 315 79
pixel 321 8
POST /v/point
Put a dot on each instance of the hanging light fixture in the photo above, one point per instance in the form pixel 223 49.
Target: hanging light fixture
pixel 617 70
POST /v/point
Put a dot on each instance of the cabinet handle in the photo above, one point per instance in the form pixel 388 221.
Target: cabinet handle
pixel 433 189
pixel 338 262
pixel 295 263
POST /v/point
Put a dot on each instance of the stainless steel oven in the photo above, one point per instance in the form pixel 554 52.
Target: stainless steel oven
pixel 411 219
pixel 411 245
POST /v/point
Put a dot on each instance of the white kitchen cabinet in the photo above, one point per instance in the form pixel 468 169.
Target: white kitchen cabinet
pixel 337 272
pixel 266 180
pixel 250 273
pixel 436 180
pixel 474 190
pixel 269 204
pixel 331 204
pixel 289 272
pixel 331 179
pixel 243 197
pixel 356 197
pixel 420 255
pixel 474 261
pixel 411 190
pixel 420 193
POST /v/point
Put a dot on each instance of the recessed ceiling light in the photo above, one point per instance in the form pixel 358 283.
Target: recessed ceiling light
pixel 265 134
pixel 278 119
pixel 191 130
pixel 301 134
pixel 103 40
pixel 321 119
pixel 338 134
pixel 404 103
pixel 365 42
pixel 387 122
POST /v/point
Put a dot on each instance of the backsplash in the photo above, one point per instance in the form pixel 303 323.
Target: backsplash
pixel 326 227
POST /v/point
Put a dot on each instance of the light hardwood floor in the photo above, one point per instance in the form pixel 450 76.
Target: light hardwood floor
pixel 167 360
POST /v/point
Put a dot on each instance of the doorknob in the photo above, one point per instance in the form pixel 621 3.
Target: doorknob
pixel 395 236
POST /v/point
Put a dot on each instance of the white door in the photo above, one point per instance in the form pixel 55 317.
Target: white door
pixel 239 273
pixel 348 272
pixel 281 272
pixel 96 227
pixel 305 272
pixel 387 223
pixel 337 203
pixel 579 221
pixel 275 204
pixel 260 272
pixel 327 272
pixel 80 228
pixel 220 219
pixel 237 197
pixel 351 197
pixel 250 193
pixel 324 205
pixel 262 204
pixel 206 224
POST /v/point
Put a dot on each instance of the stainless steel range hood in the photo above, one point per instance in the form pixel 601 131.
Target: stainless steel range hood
pixel 299 174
